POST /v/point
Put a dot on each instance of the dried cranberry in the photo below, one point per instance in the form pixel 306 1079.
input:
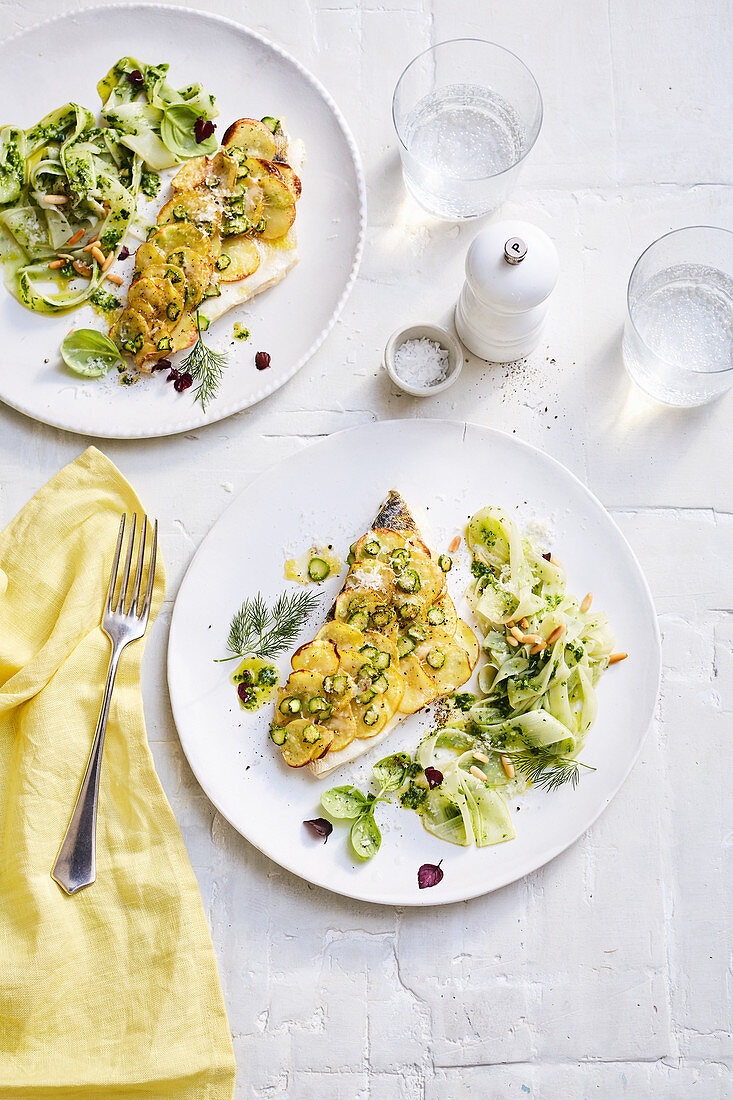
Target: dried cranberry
pixel 320 827
pixel 244 693
pixel 182 382
pixel 434 777
pixel 430 874
pixel 262 360
pixel 123 253
pixel 174 375
pixel 162 364
pixel 547 557
pixel 202 130
pixel 135 78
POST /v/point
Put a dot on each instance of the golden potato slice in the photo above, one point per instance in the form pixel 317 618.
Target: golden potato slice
pixel 371 573
pixel 289 177
pixel 447 664
pixel 243 209
pixel 240 258
pixel 148 253
pixel 377 694
pixel 318 656
pixel 165 299
pixel 131 331
pixel 224 172
pixel 294 698
pixel 342 725
pixel 388 541
pixel 366 608
pixel 158 272
pixel 467 640
pixel 305 741
pixel 420 688
pixel 193 175
pixel 343 636
pixel 251 135
pixel 177 235
pixel 197 270
pixel 197 207
pixel 185 333
pixel 279 208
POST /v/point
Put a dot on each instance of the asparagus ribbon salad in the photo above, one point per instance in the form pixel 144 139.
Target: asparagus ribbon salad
pixel 393 643
pixel 76 191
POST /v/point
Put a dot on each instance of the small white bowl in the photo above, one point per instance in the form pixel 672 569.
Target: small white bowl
pixel 440 336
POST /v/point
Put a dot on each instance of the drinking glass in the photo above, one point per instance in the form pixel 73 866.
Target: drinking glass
pixel 467 113
pixel 678 337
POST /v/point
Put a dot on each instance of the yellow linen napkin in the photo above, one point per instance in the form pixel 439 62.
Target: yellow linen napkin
pixel 112 992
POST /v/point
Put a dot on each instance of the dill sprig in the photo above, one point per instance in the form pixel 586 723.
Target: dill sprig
pixel 265 632
pixel 546 770
pixel 205 367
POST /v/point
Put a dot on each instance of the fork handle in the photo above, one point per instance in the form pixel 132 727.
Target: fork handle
pixel 76 865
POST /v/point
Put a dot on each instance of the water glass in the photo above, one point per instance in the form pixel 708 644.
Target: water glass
pixel 678 337
pixel 467 113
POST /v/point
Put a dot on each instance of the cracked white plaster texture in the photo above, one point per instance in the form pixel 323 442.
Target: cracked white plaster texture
pixel 607 973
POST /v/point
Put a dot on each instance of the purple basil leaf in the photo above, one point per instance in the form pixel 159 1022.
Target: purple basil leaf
pixel 244 693
pixel 135 78
pixel 429 874
pixel 434 777
pixel 163 364
pixel 547 557
pixel 123 253
pixel 320 827
pixel 202 129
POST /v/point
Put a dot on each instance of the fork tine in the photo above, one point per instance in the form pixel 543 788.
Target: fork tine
pixel 128 563
pixel 151 576
pixel 139 569
pixel 115 563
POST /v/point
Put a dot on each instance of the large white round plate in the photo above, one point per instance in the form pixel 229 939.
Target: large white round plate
pixel 42 68
pixel 445 470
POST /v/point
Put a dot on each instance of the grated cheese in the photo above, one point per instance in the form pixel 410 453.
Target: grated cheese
pixel 421 362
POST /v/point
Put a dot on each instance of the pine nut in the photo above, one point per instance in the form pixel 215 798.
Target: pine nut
pixel 57 263
pixel 82 269
pixel 109 261
pixel 455 543
pixel 508 767
pixel 616 657
pixel 75 239
pixel 587 601
pixel 99 256
pixel 482 757
pixel 537 648
pixel 477 772
pixel 533 640
pixel 517 633
pixel 512 641
pixel 556 563
pixel 55 200
pixel 116 279
pixel 89 246
pixel 555 634
pixel 524 624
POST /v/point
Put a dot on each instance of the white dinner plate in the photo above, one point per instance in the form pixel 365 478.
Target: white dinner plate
pixel 42 68
pixel 331 492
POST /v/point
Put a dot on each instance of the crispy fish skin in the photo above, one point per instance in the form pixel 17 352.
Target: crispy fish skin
pixel 394 515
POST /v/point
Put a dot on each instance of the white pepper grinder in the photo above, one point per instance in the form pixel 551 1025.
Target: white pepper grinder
pixel 511 271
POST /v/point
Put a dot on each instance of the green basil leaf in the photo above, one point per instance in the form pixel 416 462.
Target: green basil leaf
pixel 177 132
pixel 390 773
pixel 90 353
pixel 343 802
pixel 365 836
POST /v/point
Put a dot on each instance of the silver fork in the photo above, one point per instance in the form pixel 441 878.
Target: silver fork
pixel 122 622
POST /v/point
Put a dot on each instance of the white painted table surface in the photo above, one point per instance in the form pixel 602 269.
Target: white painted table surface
pixel 607 973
